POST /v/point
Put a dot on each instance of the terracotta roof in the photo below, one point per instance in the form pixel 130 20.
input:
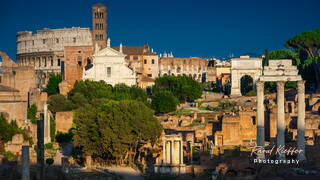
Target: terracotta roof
pixel 7 89
pixel 135 50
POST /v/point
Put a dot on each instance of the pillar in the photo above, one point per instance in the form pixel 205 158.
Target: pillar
pixel 168 152
pixel 301 120
pixel 260 117
pixel 40 149
pixel 181 151
pixel 25 163
pixel 47 138
pixel 175 150
pixel 280 118
pixel 164 152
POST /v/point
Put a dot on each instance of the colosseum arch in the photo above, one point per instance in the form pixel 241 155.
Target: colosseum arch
pixel 244 66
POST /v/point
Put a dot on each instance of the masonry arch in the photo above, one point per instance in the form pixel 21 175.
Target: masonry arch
pixel 241 67
pixel 246 84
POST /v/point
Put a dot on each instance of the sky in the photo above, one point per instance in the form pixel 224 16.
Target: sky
pixel 203 28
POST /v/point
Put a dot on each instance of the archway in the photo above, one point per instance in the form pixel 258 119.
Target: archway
pixel 246 84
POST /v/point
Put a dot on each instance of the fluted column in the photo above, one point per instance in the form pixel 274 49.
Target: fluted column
pixel 260 117
pixel 301 120
pixel 168 152
pixel 280 117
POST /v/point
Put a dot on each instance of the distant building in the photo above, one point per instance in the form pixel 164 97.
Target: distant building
pixel 44 50
pixel 194 67
pixel 144 61
pixel 109 65
pixel 99 25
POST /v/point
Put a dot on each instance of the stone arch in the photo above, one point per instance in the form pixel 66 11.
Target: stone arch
pixel 241 67
pixel 246 84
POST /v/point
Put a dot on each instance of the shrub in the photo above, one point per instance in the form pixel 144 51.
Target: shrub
pixel 32 113
pixel 64 137
pixel 49 161
pixel 53 84
pixel 164 102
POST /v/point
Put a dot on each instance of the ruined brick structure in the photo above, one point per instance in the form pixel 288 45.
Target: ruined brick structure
pixel 194 67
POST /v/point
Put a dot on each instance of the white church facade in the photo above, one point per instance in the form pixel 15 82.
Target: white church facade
pixel 109 65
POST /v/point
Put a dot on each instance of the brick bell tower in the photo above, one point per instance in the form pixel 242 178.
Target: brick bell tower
pixel 99 25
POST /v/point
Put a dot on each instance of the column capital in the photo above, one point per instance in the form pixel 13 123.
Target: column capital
pixel 280 85
pixel 260 84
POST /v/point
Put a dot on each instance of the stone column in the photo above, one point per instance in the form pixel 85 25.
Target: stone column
pixel 260 117
pixel 168 152
pixel 301 120
pixel 181 151
pixel 174 152
pixel 40 149
pixel 280 118
pixel 47 138
pixel 164 152
pixel 25 163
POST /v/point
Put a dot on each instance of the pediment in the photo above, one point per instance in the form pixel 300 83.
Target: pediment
pixel 108 52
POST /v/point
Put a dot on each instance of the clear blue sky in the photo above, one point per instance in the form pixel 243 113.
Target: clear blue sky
pixel 203 28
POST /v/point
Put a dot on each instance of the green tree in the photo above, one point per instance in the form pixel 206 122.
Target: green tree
pixel 183 87
pixel 8 130
pixel 306 43
pixel 53 84
pixel 282 54
pixel 113 130
pixel 164 102
pixel 32 113
pixel 58 102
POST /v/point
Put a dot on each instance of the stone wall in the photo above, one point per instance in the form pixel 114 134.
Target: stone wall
pixel 64 121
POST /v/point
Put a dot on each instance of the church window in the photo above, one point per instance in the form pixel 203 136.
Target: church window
pixel 101 36
pixel 108 71
pixel 97 37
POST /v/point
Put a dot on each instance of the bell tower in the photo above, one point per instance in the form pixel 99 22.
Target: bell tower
pixel 99 25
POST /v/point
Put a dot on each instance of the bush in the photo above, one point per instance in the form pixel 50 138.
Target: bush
pixel 8 130
pixel 59 103
pixel 49 161
pixel 164 102
pixel 251 93
pixel 32 114
pixel 53 84
pixel 9 155
pixel 64 137
pixel 48 146
pixel 182 87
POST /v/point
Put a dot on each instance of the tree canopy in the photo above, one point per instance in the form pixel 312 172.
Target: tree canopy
pixel 308 42
pixel 112 129
pixel 185 88
pixel 53 84
pixel 164 102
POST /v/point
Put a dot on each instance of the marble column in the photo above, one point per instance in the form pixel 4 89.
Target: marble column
pixel 47 138
pixel 181 151
pixel 164 153
pixel 260 117
pixel 168 152
pixel 280 118
pixel 25 163
pixel 301 120
pixel 175 155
